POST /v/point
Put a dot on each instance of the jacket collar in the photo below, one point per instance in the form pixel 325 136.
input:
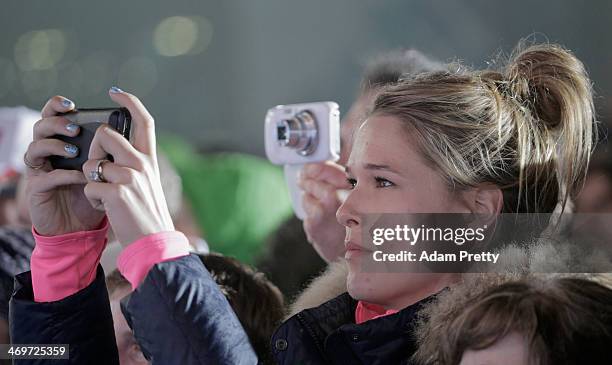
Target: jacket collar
pixel 332 325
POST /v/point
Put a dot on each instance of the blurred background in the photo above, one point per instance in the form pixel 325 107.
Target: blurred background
pixel 208 70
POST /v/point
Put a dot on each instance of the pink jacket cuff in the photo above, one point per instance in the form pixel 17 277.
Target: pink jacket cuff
pixel 139 257
pixel 62 265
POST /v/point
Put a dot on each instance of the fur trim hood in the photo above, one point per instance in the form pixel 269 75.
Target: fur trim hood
pixel 516 262
pixel 544 260
pixel 330 284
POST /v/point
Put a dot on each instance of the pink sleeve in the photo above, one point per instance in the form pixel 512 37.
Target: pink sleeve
pixel 139 257
pixel 62 265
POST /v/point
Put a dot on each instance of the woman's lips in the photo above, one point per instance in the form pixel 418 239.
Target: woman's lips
pixel 354 250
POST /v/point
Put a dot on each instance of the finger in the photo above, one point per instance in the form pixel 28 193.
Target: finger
pixel 142 122
pixel 312 207
pixel 57 104
pixel 51 126
pixel 111 172
pixel 311 170
pixel 330 172
pixel 324 192
pixel 100 194
pixel 54 179
pixel 39 151
pixel 108 141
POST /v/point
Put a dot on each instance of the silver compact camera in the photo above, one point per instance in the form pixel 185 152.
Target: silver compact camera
pixel 297 134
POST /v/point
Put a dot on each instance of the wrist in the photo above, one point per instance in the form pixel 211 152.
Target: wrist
pixel 96 231
pixel 139 257
pixel 41 230
pixel 128 237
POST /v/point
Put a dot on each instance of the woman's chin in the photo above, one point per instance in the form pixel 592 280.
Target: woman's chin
pixel 361 286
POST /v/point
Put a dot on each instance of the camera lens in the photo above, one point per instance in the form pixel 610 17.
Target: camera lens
pixel 113 121
pixel 281 131
pixel 299 133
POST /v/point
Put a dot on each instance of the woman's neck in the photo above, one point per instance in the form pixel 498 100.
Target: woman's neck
pixel 404 300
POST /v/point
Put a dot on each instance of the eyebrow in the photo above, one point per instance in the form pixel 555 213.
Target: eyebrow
pixel 372 166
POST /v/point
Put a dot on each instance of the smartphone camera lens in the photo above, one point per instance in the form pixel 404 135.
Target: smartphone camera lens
pixel 298 133
pixel 113 121
pixel 120 120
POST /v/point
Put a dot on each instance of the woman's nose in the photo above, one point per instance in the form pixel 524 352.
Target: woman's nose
pixel 346 214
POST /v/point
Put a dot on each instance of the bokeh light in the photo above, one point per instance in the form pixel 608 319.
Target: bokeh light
pixel 138 75
pixel 39 85
pixel 179 35
pixel 40 49
pixel 8 76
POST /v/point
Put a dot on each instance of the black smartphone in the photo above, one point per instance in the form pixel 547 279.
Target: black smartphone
pixel 89 120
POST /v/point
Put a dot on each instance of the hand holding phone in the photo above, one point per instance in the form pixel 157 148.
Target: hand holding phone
pixel 89 120
pixel 56 201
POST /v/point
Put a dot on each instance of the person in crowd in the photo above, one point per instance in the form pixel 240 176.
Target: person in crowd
pixel 15 133
pixel 593 205
pixel 257 302
pixel 596 196
pixel 63 299
pixel 539 320
pixel 322 181
pixel 16 241
pixel 512 140
pixel 16 245
pixel 290 260
pixel 127 346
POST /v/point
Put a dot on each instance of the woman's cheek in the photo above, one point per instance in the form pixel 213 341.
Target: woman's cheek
pixel 388 200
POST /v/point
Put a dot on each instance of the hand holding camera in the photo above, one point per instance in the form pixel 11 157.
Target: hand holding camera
pixel 89 120
pixel 305 138
pixel 298 134
pixel 323 184
pixel 128 188
pixel 57 203
pixel 122 179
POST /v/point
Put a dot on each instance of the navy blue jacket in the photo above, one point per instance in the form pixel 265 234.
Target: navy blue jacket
pixel 328 335
pixel 178 315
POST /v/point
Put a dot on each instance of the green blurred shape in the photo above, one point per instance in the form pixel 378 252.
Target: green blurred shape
pixel 237 199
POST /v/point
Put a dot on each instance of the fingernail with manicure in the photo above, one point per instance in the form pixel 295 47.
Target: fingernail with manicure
pixel 71 149
pixel 67 103
pixel 72 127
pixel 115 90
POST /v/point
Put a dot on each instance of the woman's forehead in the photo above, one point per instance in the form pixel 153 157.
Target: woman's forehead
pixel 382 140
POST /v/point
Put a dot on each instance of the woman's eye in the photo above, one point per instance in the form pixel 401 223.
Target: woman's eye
pixel 352 182
pixel 381 182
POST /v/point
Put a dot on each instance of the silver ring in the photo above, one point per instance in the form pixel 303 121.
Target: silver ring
pixel 96 174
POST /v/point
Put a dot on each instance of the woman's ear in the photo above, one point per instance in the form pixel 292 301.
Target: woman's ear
pixel 487 199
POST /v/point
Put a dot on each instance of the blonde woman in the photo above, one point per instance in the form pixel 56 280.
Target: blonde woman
pixel 513 140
